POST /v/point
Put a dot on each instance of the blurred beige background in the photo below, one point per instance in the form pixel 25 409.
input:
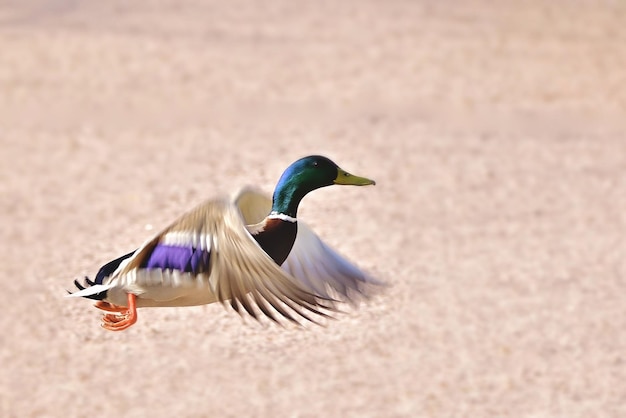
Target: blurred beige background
pixel 496 133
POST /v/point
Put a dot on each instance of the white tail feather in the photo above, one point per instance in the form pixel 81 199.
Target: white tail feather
pixel 91 290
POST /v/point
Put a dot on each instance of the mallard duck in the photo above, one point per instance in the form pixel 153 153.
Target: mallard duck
pixel 250 251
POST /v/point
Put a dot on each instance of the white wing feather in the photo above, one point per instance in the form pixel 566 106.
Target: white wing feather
pixel 318 268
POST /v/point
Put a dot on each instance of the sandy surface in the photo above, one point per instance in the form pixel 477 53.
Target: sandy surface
pixel 496 132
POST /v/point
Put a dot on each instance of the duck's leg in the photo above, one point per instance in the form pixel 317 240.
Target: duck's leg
pixel 126 317
pixel 109 307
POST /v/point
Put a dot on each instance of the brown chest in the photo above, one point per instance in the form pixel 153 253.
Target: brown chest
pixel 277 238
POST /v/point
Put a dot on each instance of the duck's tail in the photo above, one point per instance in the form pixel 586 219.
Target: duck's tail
pixel 90 290
pixel 97 289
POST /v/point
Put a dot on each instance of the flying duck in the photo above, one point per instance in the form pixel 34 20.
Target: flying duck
pixel 250 252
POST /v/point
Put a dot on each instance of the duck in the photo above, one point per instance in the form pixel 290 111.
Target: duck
pixel 249 251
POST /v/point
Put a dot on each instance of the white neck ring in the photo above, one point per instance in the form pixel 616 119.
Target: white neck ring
pixel 282 217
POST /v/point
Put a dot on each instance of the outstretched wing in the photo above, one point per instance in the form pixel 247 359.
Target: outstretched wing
pixel 253 204
pixel 212 240
pixel 314 265
pixel 319 268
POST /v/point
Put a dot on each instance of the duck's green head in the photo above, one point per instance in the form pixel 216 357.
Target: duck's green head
pixel 305 175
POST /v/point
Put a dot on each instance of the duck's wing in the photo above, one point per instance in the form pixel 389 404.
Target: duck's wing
pixel 323 271
pixel 313 264
pixel 253 204
pixel 238 269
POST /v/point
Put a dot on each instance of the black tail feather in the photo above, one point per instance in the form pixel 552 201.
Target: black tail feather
pixel 108 269
pixel 78 285
pixel 104 272
pixel 95 296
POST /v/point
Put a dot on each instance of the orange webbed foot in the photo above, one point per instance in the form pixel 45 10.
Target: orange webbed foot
pixel 124 317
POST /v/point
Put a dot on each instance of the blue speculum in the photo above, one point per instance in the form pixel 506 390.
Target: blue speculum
pixel 171 257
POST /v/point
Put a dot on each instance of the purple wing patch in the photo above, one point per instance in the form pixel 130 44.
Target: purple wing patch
pixel 171 257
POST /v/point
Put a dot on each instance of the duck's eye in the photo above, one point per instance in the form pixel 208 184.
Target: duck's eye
pixel 315 163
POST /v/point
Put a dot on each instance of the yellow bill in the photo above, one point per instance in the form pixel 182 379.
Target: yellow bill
pixel 343 177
